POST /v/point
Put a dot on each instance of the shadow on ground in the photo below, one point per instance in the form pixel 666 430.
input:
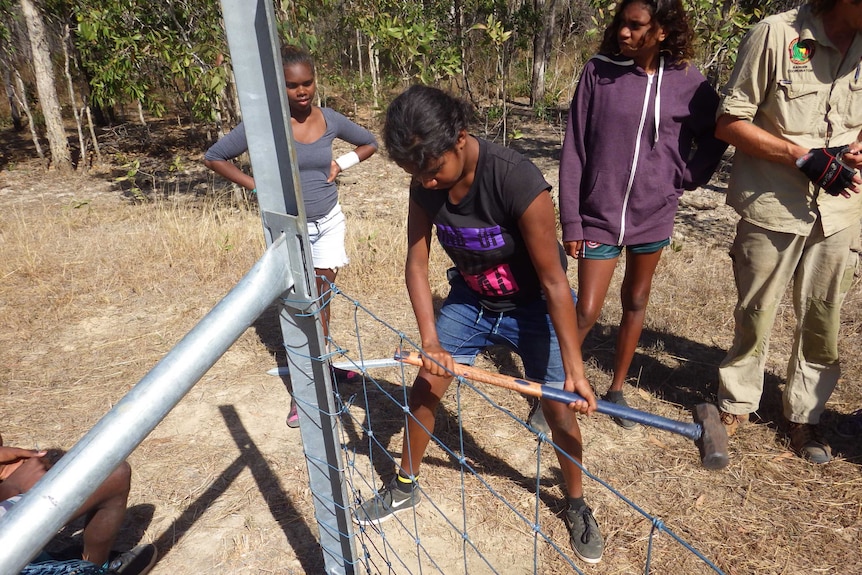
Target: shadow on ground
pixel 685 372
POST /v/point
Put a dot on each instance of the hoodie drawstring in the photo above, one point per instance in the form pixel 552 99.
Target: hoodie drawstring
pixel 657 107
pixel 656 114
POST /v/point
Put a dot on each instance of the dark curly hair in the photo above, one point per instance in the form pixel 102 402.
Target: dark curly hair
pixel 422 124
pixel 670 15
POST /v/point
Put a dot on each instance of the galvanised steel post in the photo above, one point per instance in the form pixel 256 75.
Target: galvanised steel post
pixel 257 67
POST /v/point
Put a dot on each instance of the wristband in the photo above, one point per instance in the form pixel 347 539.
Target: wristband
pixel 347 160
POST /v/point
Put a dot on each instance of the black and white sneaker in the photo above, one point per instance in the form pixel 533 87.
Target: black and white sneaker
pixel 584 534
pixel 386 503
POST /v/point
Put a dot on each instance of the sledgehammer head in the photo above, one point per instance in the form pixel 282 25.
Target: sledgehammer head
pixel 713 440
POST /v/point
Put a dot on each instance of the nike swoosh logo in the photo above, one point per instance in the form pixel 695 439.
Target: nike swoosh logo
pixel 402 503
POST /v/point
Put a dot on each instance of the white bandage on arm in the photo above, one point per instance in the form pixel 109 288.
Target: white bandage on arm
pixel 347 160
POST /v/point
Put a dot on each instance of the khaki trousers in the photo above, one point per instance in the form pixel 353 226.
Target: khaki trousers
pixel 764 263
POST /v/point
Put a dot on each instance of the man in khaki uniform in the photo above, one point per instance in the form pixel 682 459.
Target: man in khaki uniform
pixel 792 104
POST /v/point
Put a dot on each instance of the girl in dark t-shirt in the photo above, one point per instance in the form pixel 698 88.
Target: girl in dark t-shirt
pixel 493 215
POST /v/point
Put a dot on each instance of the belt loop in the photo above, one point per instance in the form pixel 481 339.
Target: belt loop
pixel 479 317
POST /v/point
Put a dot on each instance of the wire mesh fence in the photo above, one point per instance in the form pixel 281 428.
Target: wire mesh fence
pixel 490 490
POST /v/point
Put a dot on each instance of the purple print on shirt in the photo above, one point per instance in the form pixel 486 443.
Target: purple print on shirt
pixel 497 281
pixel 474 239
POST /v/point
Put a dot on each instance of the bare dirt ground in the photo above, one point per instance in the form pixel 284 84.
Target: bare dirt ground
pixel 95 288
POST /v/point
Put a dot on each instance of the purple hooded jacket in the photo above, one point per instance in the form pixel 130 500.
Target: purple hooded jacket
pixel 633 143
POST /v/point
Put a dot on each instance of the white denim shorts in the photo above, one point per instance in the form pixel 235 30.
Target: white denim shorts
pixel 326 236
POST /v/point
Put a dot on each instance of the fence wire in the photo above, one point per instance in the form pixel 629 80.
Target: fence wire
pixel 499 515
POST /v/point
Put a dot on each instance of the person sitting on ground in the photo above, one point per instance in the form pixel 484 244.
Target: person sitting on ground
pixel 104 512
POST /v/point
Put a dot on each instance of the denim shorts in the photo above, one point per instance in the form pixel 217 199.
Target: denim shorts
pixel 465 328
pixel 597 251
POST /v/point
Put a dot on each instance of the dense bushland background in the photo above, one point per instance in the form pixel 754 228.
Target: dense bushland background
pixel 88 64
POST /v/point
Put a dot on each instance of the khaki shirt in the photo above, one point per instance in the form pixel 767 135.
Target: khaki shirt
pixel 790 80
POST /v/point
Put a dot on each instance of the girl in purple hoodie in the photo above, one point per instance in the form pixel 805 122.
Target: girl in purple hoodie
pixel 640 131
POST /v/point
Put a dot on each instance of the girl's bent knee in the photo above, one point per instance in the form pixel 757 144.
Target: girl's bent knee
pixel 120 480
pixel 587 317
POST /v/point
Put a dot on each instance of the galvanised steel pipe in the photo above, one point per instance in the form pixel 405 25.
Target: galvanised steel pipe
pixel 28 526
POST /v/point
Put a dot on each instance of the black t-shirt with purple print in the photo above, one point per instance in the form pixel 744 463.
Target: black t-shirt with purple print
pixel 481 234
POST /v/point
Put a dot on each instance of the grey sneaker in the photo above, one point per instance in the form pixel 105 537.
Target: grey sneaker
pixel 584 534
pixel 806 441
pixel 386 503
pixel 618 398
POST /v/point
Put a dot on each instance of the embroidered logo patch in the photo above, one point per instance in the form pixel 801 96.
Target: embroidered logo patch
pixel 801 52
pixel 592 245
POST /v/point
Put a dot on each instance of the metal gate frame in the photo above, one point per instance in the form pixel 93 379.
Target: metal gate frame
pixel 284 273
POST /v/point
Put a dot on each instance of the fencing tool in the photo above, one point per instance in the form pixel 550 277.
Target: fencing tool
pixel 707 431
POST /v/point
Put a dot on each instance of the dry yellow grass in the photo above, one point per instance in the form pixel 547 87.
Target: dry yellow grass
pixel 94 290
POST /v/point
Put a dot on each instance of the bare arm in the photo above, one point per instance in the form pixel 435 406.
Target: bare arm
pixel 759 143
pixel 218 157
pixel 363 152
pixel 756 141
pixel 539 231
pixel 24 466
pixel 228 170
pixel 419 288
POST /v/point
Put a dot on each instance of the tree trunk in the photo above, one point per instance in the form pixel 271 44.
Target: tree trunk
pixel 359 56
pixel 141 114
pixel 542 44
pixel 374 70
pixel 235 111
pixel 82 144
pixel 458 18
pixel 21 95
pixel 96 148
pixel 61 157
pixel 13 105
